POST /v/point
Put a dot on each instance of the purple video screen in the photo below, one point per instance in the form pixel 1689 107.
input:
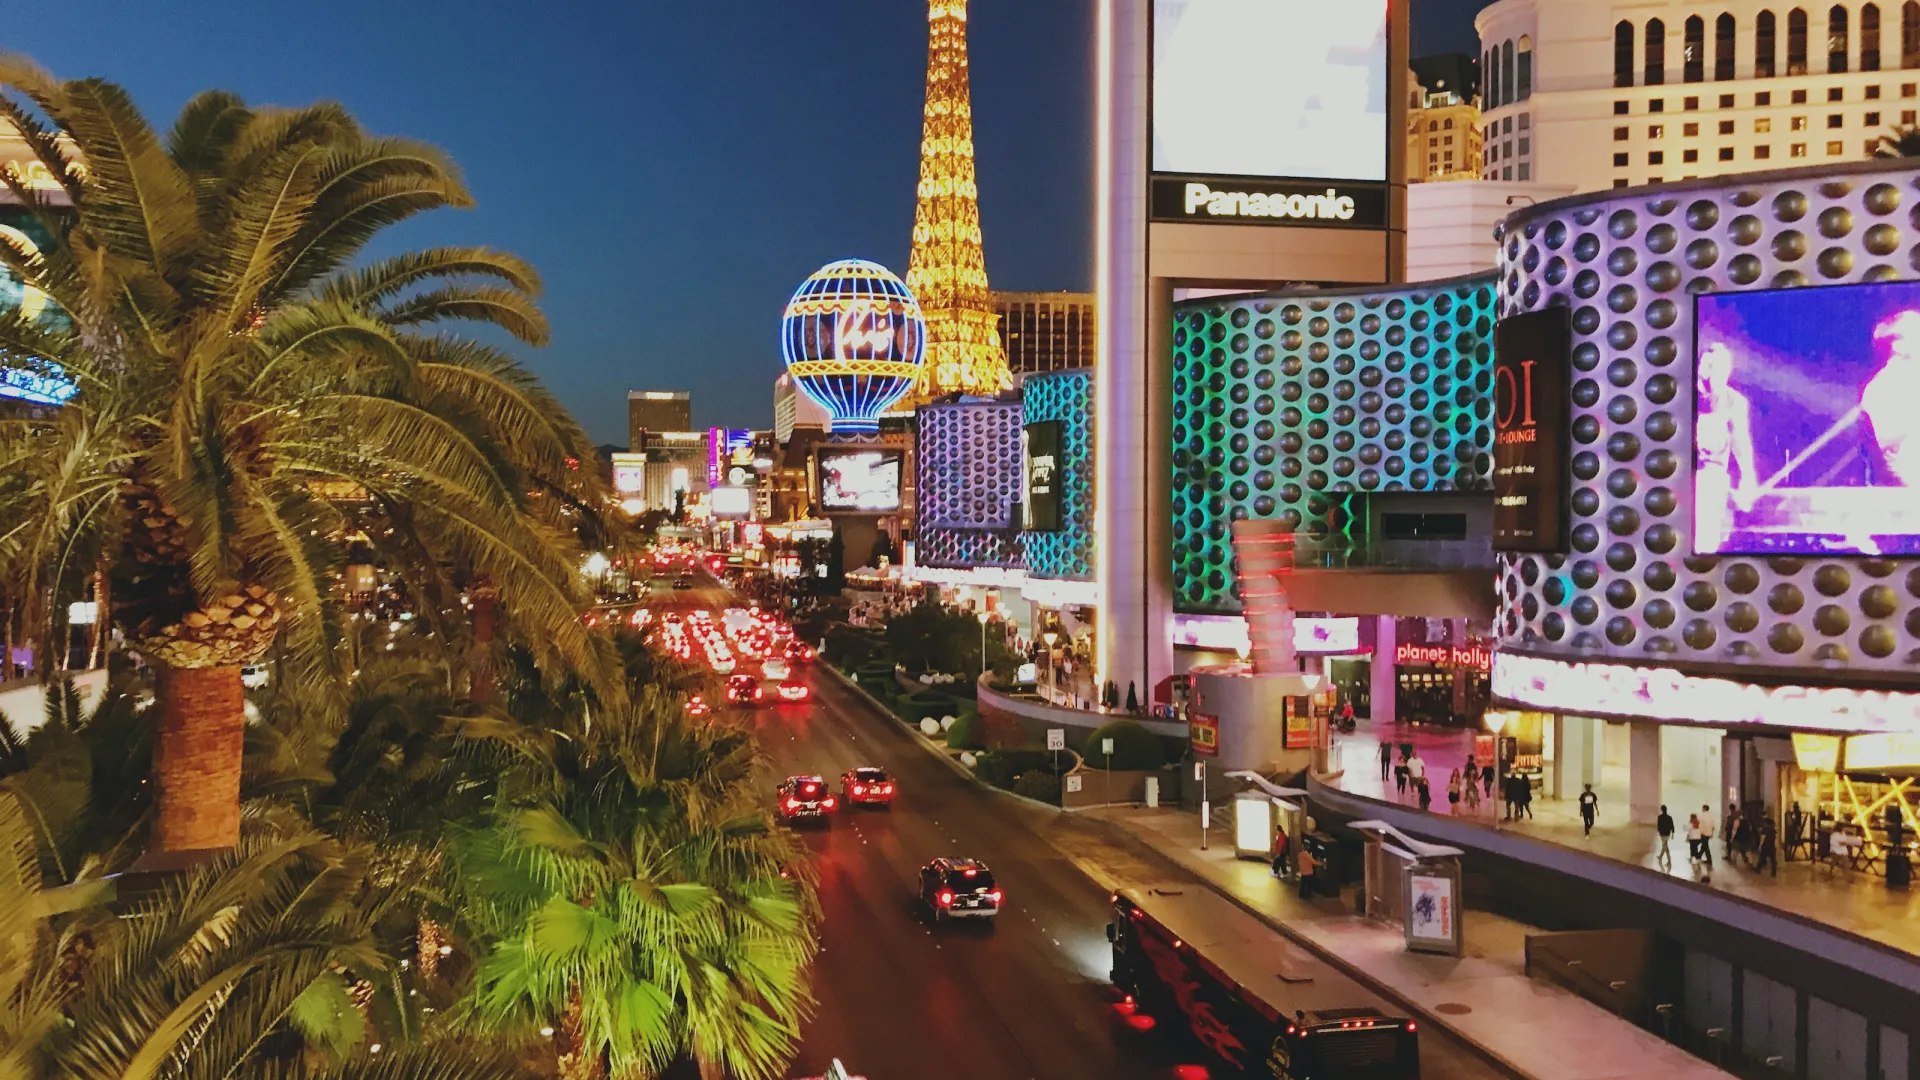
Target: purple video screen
pixel 1807 421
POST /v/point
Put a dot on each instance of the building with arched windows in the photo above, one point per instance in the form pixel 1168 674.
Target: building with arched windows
pixel 1604 95
pixel 1443 119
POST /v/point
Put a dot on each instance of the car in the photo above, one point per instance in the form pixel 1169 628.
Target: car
pixel 697 707
pixel 798 653
pixel 803 798
pixel 775 668
pixel 723 665
pixel 744 690
pixel 955 888
pixel 867 786
pixel 682 583
pixel 793 690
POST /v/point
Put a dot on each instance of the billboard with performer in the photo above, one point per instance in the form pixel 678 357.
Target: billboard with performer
pixel 1806 412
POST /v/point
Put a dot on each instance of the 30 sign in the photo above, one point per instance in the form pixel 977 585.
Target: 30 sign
pixel 1532 354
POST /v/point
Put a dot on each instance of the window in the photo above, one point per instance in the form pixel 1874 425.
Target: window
pixel 1763 124
pixel 1726 127
pixel 1506 172
pixel 1873 93
pixel 1656 131
pixel 1836 93
pixel 1619 161
pixel 1619 108
pixel 1525 120
pixel 1799 97
pixel 1506 126
pixel 1835 120
pixel 1798 149
pixel 1506 149
pixel 1653 179
pixel 1620 134
pixel 1837 39
pixel 1691 104
pixel 1433 125
pixel 1870 38
pixel 1656 71
pixel 1835 149
pixel 1657 157
pixel 1909 117
pixel 1907 90
pixel 1723 48
pixel 1871 147
pixel 1726 101
pixel 1910 34
pixel 1690 156
pixel 1693 50
pixel 1873 119
pixel 1526 171
pixel 1726 153
pixel 1763 49
pixel 1690 130
pixel 1762 99
pixel 1446 140
pixel 1657 105
pixel 1797 123
pixel 1796 42
pixel 1525 145
pixel 1623 55
pixel 1762 153
pixel 1448 125
pixel 1619 183
pixel 1525 72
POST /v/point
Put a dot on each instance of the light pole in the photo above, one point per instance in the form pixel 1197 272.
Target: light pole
pixel 983 616
pixel 1496 721
pixel 1050 637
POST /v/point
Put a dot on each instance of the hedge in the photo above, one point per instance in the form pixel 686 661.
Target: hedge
pixel 918 706
pixel 1002 767
pixel 1043 786
pixel 1134 747
pixel 967 733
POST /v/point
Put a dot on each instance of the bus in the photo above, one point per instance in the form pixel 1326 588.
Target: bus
pixel 1257 1004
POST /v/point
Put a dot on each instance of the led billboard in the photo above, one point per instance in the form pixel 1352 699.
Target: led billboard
pixel 1040 476
pixel 1532 358
pixel 1807 421
pixel 630 474
pixel 730 502
pixel 1292 89
pixel 860 481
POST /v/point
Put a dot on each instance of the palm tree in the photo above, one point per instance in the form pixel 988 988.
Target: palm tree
pixel 232 365
pixel 628 900
pixel 1904 142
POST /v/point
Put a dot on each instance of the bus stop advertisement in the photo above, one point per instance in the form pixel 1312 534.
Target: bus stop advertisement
pixel 1415 884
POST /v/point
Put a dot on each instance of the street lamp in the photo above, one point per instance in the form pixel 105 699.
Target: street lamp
pixel 1052 688
pixel 1496 721
pixel 983 616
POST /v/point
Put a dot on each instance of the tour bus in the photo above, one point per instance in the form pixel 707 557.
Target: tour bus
pixel 1258 1004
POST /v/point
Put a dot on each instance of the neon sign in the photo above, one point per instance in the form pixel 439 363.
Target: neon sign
pixel 1473 657
pixel 854 340
pixel 1654 693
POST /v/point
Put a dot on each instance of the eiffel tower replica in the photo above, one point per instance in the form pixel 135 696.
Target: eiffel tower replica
pixel 948 270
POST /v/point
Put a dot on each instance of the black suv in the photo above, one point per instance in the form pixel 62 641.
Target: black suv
pixel 959 889
pixel 744 689
pixel 803 798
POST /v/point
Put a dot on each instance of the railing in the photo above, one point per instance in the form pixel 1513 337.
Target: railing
pixel 1395 555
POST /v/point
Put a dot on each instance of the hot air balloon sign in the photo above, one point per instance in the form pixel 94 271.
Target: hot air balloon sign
pixel 854 340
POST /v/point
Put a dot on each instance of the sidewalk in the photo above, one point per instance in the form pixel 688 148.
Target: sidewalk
pixel 1847 900
pixel 1484 998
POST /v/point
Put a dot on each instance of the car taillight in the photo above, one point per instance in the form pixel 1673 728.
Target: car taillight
pixel 971 871
pixel 859 790
pixel 827 802
pixel 793 804
pixel 946 897
pixel 1410 1026
pixel 993 895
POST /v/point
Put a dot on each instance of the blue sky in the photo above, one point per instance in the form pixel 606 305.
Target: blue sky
pixel 673 169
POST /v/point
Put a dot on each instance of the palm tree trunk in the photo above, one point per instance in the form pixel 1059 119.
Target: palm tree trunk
pixel 6 647
pixel 196 758
pixel 480 682
pixel 575 1062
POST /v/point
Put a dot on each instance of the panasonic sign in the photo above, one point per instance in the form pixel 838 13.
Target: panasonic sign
pixel 1249 201
pixel 1332 205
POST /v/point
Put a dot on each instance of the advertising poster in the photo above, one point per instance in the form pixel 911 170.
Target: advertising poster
pixel 1532 357
pixel 1204 733
pixel 860 480
pixel 1040 476
pixel 1806 429
pixel 1299 712
pixel 1430 912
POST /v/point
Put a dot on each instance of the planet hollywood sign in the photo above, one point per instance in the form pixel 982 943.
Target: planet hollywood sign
pixel 1665 694
pixel 1473 657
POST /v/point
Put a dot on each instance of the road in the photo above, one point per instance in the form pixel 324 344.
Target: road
pixel 1028 998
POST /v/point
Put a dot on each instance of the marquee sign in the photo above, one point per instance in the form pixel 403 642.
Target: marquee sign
pixel 1245 201
pixel 1473 657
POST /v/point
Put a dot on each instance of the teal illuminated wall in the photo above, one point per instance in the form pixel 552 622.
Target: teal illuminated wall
pixel 1283 402
pixel 1066 396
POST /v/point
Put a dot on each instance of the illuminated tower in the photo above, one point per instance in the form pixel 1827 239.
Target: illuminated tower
pixel 948 271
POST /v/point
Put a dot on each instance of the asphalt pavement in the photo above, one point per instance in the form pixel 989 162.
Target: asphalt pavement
pixel 1024 996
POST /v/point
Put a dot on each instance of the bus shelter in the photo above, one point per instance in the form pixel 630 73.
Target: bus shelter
pixel 1415 885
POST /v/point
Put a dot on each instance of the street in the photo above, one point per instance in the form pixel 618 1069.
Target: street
pixel 899 1001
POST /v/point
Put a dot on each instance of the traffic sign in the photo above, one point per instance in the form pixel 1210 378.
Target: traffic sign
pixel 1057 738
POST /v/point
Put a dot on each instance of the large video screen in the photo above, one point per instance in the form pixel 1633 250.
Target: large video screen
pixel 1807 421
pixel 1532 358
pixel 1040 476
pixel 1270 88
pixel 860 480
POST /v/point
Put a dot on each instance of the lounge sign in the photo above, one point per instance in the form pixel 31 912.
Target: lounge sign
pixel 1246 201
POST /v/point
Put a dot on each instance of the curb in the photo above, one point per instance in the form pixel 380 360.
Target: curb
pixel 1140 847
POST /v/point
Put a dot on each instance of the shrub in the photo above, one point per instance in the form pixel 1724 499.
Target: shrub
pixel 851 647
pixel 1134 747
pixel 1002 767
pixel 966 733
pixel 1035 784
pixel 922 704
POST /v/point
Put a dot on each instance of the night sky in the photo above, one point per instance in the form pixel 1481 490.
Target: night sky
pixel 673 169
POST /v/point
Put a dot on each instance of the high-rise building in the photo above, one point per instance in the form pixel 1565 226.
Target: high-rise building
pixel 792 408
pixel 1045 331
pixel 1604 95
pixel 948 269
pixel 657 410
pixel 1443 120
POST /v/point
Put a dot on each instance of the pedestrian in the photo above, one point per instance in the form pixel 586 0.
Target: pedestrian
pixel 1386 761
pixel 1306 864
pixel 1706 837
pixel 1765 841
pixel 1589 809
pixel 1525 790
pixel 1453 792
pixel 1279 851
pixel 1472 790
pixel 1696 848
pixel 1663 828
pixel 1400 777
pixel 1417 769
pixel 1426 794
pixel 1486 777
pixel 1508 796
pixel 1730 830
